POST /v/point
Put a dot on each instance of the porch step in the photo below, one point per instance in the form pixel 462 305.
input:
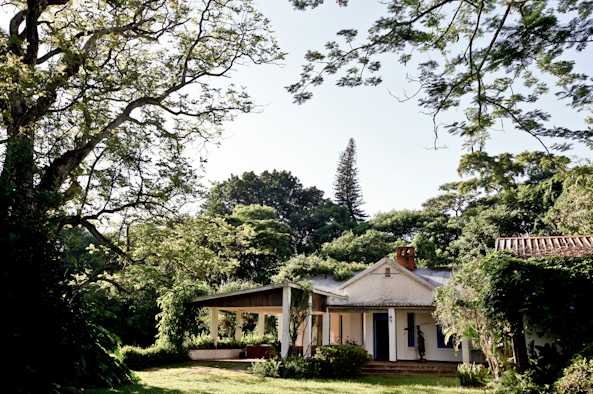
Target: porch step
pixel 374 368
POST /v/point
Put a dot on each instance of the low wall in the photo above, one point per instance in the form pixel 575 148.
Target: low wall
pixel 214 354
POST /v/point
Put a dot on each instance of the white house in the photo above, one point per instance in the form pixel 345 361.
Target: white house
pixel 380 308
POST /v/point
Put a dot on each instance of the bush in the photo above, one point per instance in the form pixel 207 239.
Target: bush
pixel 200 341
pixel 271 368
pixel 331 361
pixel 137 358
pixel 342 361
pixel 577 378
pixel 299 368
pixel 471 375
pixel 229 343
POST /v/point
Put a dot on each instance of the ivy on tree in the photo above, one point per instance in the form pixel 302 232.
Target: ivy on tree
pixel 495 59
pixel 346 188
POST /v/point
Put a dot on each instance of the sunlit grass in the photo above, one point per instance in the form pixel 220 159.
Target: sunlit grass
pixel 221 378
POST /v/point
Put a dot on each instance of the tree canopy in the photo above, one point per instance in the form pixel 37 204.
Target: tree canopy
pixel 495 60
pixel 312 218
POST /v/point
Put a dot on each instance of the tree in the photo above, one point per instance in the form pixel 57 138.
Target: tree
pixel 311 217
pixel 268 247
pixel 495 59
pixel 346 188
pixel 99 102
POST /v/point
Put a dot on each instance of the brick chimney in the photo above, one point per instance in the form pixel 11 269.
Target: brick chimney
pixel 405 257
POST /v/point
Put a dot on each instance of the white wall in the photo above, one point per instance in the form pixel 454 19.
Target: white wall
pixel 429 329
pixel 399 288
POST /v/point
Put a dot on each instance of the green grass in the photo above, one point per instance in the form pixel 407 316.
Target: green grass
pixel 220 378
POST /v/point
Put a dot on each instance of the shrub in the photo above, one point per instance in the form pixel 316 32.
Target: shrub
pixel 471 375
pixel 271 368
pixel 137 358
pixel 200 341
pixel 331 361
pixel 342 361
pixel 228 343
pixel 577 377
pixel 251 338
pixel 299 368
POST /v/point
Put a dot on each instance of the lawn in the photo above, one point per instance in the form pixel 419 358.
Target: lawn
pixel 224 378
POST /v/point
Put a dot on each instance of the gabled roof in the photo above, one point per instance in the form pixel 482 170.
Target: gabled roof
pixel 398 267
pixel 526 247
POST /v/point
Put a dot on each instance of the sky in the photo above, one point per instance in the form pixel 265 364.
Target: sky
pixel 398 169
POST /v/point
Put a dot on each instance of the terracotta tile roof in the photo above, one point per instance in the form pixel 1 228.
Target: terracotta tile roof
pixel 526 247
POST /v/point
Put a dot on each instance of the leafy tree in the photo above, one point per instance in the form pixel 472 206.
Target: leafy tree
pixel 402 224
pixel 573 210
pixel 324 224
pixel 96 116
pixel 267 248
pixel 312 218
pixel 346 188
pixel 496 59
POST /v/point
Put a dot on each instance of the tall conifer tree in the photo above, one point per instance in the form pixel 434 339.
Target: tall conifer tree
pixel 346 188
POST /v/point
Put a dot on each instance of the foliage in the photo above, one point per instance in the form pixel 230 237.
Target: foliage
pixel 553 295
pixel 494 59
pixel 175 316
pixel 228 343
pixel 573 210
pixel 402 224
pixel 472 375
pixel 268 247
pixel 346 188
pixel 130 316
pixel 300 313
pixel 512 382
pixel 292 203
pixel 270 368
pixel 200 341
pixel 330 362
pixel 368 247
pixel 461 310
pixel 342 361
pixel 577 378
pixel 41 310
pixel 137 358
pixel 301 267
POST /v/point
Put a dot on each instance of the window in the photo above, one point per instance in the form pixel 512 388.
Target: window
pixel 387 272
pixel 411 333
pixel 441 339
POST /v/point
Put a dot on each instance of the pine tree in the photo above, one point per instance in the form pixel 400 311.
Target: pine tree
pixel 346 188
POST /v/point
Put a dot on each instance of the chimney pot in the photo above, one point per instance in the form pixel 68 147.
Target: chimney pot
pixel 405 257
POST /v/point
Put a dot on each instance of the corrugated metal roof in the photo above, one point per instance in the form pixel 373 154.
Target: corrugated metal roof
pixel 525 247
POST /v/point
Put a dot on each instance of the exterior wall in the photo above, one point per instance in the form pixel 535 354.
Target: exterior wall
pixel 352 328
pixel 334 328
pixel 399 288
pixel 429 329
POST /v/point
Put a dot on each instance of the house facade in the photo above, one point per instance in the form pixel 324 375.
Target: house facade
pixel 387 309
